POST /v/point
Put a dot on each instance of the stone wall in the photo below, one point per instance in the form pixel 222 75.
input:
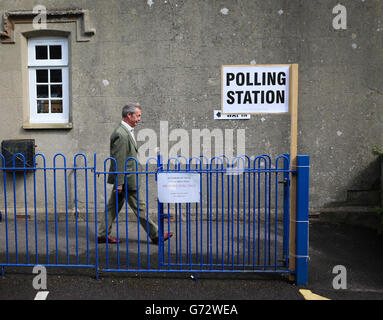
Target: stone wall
pixel 167 55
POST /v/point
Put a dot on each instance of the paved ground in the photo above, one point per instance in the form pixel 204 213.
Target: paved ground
pixel 359 250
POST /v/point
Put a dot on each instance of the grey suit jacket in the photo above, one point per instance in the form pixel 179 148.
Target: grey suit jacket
pixel 122 146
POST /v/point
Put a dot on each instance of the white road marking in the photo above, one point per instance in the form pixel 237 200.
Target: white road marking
pixel 41 295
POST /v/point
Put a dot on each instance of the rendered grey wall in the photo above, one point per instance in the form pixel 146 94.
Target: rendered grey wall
pixel 167 55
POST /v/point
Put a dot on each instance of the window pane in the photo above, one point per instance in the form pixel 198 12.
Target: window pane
pixel 55 52
pixel 57 106
pixel 42 106
pixel 41 52
pixel 56 75
pixel 42 91
pixel 42 76
pixel 56 91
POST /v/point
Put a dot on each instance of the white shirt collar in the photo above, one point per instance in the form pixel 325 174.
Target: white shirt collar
pixel 130 129
pixel 127 126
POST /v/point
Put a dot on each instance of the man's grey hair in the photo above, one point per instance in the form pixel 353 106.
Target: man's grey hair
pixel 130 108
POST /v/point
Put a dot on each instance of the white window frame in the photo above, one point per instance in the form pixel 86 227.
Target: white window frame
pixel 48 64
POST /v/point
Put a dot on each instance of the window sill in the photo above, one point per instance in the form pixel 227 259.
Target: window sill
pixel 31 126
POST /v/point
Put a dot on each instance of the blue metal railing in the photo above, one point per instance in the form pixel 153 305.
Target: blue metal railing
pixel 233 222
pixel 35 198
pixel 241 223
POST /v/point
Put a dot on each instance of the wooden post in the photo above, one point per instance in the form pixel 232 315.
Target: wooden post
pixel 293 162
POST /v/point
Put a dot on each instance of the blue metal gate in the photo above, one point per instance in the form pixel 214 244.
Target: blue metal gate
pixel 240 224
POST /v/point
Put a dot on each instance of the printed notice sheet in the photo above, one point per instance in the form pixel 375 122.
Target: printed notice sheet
pixel 177 187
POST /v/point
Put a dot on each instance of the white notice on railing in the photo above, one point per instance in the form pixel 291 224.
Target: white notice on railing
pixel 177 187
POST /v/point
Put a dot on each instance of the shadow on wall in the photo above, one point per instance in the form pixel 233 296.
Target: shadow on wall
pixel 362 202
pixel 365 188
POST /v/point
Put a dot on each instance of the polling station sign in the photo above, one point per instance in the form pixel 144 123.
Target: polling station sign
pixel 255 89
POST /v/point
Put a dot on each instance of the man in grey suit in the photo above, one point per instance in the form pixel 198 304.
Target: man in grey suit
pixel 122 146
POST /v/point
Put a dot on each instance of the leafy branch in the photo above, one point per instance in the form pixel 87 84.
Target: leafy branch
pixel 378 151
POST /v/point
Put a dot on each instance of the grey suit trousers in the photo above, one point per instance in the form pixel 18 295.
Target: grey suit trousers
pixel 112 212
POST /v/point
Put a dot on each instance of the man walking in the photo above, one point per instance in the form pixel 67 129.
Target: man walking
pixel 122 146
